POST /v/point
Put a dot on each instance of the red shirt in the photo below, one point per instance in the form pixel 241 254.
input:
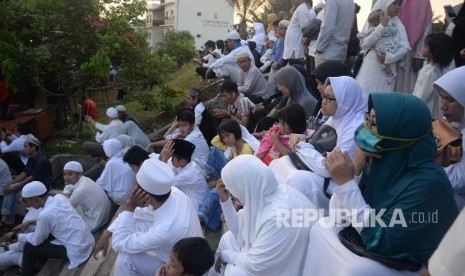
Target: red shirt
pixel 90 109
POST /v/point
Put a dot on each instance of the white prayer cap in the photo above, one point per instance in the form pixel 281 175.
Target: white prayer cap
pixel 112 112
pixel 73 166
pixel 234 35
pixel 284 23
pixel 319 5
pixel 32 189
pixel 242 54
pixel 121 108
pixel 111 147
pixel 273 38
pixel 33 140
pixel 155 177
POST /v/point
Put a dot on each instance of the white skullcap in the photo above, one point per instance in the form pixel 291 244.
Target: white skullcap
pixel 242 54
pixel 33 140
pixel 234 35
pixel 32 189
pixel 320 5
pixel 273 38
pixel 121 108
pixel 112 112
pixel 284 23
pixel 73 166
pixel 155 177
pixel 112 147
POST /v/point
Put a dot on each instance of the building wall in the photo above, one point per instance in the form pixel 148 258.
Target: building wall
pixel 204 19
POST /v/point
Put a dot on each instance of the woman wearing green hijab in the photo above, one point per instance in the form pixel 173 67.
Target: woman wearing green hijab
pixel 401 205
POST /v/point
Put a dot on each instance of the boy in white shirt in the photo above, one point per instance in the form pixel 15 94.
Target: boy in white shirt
pixel 189 177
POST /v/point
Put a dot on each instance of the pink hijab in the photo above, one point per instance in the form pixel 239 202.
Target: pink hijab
pixel 415 15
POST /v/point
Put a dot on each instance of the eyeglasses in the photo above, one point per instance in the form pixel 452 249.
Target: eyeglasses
pixel 326 98
pixel 371 122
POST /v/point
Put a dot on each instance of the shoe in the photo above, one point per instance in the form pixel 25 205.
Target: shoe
pixel 390 78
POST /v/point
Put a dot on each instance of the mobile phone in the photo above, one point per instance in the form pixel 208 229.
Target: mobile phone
pixel 450 11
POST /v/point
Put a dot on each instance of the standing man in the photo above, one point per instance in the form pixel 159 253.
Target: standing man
pixel 293 42
pixel 72 239
pixel 335 31
pixel 86 196
pixel 155 217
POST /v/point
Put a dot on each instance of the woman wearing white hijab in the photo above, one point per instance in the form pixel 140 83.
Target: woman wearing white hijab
pixel 451 89
pixel 259 36
pixel 117 178
pixel 257 244
pixel 346 109
pixel 370 76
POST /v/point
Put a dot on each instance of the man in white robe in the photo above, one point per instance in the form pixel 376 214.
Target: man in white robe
pixel 117 179
pixel 293 43
pixel 155 217
pixel 86 196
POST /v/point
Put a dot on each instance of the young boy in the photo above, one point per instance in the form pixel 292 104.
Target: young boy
pixel 189 177
pixel 189 256
pixel 184 127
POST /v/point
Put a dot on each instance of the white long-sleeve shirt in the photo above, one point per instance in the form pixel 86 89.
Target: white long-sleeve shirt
pixel 191 181
pixel 117 179
pixel 293 42
pixel 174 220
pixel 115 128
pixel 202 151
pixel 60 219
pixel 16 146
pixel 90 201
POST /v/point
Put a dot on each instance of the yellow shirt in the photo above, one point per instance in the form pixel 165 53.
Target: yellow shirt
pixel 246 149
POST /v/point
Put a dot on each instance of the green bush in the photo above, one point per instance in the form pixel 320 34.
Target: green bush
pixel 180 46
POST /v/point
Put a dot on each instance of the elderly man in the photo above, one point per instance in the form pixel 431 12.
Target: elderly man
pixel 86 196
pixel 105 132
pixel 38 168
pixel 155 217
pixel 123 116
pixel 72 239
pixel 226 66
pixel 252 83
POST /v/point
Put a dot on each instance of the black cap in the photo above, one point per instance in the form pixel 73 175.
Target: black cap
pixel 183 148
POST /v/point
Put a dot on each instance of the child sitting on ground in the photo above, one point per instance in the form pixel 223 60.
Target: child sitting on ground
pixel 189 256
pixel 387 43
pixel 275 142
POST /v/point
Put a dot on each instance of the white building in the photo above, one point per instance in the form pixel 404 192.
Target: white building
pixel 204 19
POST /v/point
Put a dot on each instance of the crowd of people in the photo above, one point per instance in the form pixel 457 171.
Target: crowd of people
pixel 323 162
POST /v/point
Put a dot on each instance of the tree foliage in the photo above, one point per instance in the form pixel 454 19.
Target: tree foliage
pixel 72 43
pixel 246 8
pixel 179 45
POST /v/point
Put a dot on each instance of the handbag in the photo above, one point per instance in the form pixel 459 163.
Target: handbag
pixel 448 141
pixel 352 240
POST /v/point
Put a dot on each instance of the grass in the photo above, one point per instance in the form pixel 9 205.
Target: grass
pixel 65 141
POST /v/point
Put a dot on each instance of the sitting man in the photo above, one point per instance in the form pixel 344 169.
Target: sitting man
pixel 12 147
pixel 13 254
pixel 86 196
pixel 117 179
pixel 203 118
pixel 252 83
pixel 239 108
pixel 226 66
pixel 135 156
pixel 113 129
pixel 184 127
pixel 38 168
pixel 58 220
pixel 155 217
pixel 189 177
pixel 123 116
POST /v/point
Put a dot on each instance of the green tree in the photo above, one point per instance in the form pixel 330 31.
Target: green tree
pixel 178 45
pixel 246 8
pixel 276 6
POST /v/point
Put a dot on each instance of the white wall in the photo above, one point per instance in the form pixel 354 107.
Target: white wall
pixel 204 19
